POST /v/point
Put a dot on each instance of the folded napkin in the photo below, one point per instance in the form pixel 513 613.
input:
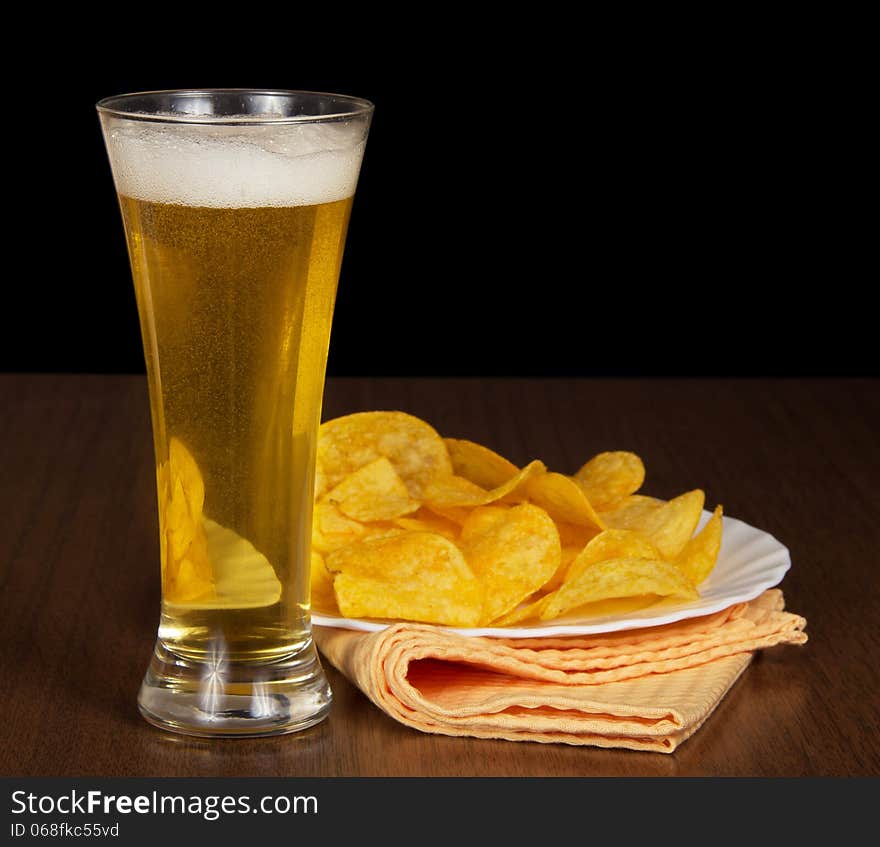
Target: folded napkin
pixel 642 689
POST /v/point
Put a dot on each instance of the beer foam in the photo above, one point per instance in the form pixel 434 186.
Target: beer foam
pixel 294 164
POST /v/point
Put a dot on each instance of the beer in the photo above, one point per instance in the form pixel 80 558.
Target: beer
pixel 235 237
pixel 238 305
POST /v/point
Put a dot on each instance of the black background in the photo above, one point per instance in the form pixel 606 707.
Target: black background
pixel 552 199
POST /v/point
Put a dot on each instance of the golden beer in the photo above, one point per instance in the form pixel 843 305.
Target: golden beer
pixel 239 304
pixel 235 235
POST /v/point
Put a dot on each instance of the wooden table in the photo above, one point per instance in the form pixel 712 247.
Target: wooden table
pixel 79 559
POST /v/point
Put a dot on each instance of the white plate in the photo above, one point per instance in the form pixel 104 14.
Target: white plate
pixel 750 562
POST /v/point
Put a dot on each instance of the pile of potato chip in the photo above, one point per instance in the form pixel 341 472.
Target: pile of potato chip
pixel 412 526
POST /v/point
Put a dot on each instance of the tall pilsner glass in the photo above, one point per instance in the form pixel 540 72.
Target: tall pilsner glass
pixel 235 205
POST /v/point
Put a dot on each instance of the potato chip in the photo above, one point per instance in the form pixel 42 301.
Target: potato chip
pixel 613 578
pixel 568 555
pixel 512 551
pixel 332 530
pixel 323 598
pixel 699 555
pixel 417 576
pixel 243 577
pixel 533 605
pixel 457 491
pixel 184 497
pixel 413 447
pixel 563 499
pixel 610 544
pixel 181 524
pixel 530 609
pixel 668 526
pixel 479 464
pixel 481 520
pixel 601 608
pixel 183 468
pixel 614 544
pixel 576 536
pixel 191 578
pixel 373 492
pixel 453 492
pixel 455 514
pixel 424 520
pixel 187 574
pixel 634 506
pixel 617 606
pixel 609 477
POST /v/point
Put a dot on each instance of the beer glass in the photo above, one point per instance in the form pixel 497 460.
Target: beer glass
pixel 235 206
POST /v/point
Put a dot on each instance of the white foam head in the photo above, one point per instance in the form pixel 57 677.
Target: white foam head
pixel 292 164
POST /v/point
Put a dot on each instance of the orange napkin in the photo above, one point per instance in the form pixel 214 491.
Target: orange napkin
pixel 643 689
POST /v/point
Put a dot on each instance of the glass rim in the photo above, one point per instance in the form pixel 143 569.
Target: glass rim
pixel 112 106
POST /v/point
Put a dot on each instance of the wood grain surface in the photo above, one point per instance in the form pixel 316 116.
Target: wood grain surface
pixel 80 586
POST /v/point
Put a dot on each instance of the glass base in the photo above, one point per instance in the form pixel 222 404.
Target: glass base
pixel 237 700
